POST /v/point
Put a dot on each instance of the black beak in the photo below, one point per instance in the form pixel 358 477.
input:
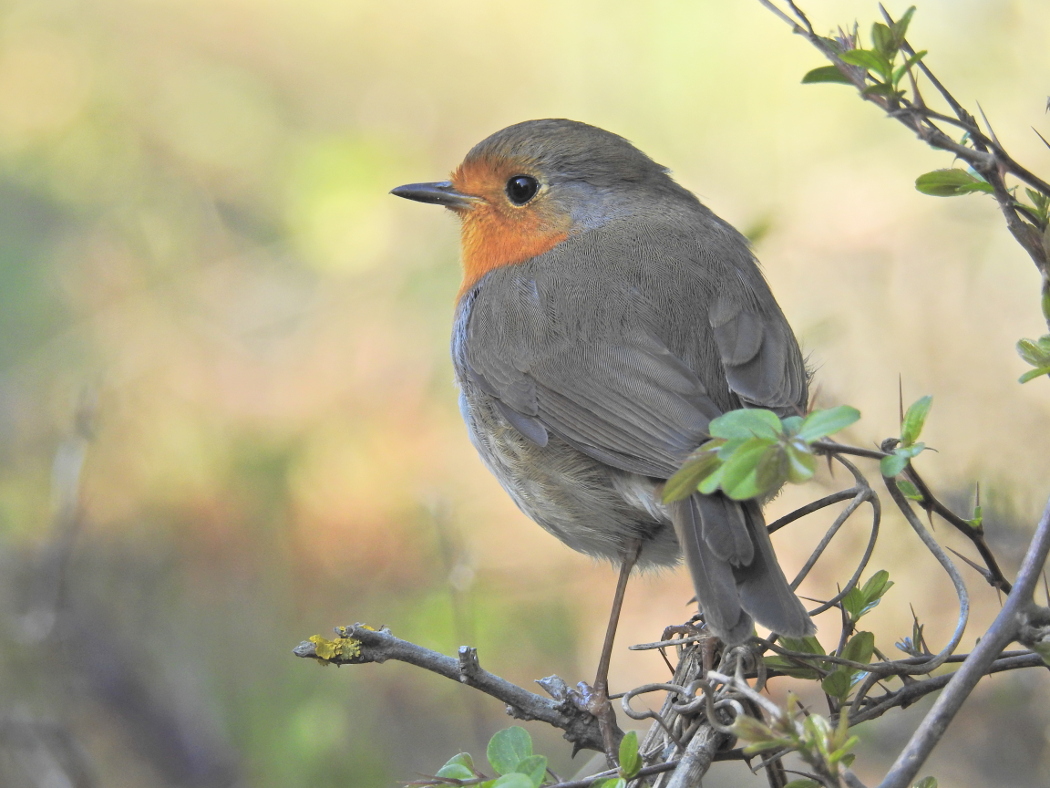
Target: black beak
pixel 441 193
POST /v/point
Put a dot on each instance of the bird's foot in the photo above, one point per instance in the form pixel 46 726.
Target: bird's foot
pixel 595 700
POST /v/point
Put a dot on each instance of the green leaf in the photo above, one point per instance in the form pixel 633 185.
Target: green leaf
pixel 1033 374
pixel 914 450
pixel 712 482
pixel 739 478
pixel 802 464
pixel 791 424
pixel 892 465
pixel 806 645
pixel 926 782
pixel 457 771
pixel 611 782
pixel 772 470
pixel 687 478
pixel 950 183
pixel 902 69
pixel 630 759
pixel 861 599
pixel 859 648
pixel 746 423
pixel 758 735
pixel 534 767
pixel 826 74
pixel 910 491
pixel 509 747
pixel 883 39
pixel 978 517
pixel 869 60
pixel 900 27
pixel 914 419
pixel 791 668
pixel 838 685
pixel 821 423
pixel 802 784
pixel 513 780
pixel 1035 352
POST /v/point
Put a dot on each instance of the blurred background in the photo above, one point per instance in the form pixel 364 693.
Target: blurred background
pixel 227 416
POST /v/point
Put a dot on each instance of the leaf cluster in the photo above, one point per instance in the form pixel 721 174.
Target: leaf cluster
pixel 822 744
pixel 510 755
pixel 876 65
pixel 909 445
pixel 837 680
pixel 753 452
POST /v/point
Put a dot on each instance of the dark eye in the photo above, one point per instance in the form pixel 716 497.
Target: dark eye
pixel 522 188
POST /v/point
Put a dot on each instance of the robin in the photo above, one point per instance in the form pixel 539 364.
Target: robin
pixel 606 317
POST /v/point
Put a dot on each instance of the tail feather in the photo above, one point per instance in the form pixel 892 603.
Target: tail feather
pixel 764 590
pixel 736 583
pixel 716 587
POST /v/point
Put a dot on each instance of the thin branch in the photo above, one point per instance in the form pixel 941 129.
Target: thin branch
pixel 359 644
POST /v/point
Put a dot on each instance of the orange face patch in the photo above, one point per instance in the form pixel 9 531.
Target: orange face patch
pixel 496 232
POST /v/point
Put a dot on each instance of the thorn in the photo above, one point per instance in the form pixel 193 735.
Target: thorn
pixel 988 125
pixel 900 396
pixel 976 567
pixel 1040 136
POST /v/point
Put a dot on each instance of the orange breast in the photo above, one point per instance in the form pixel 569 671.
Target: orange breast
pixel 492 239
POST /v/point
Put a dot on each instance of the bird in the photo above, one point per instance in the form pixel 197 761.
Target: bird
pixel 605 317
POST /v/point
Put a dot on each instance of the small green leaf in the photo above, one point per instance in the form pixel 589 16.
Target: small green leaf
pixel 950 183
pixel 513 780
pixel 630 759
pixel 978 517
pixel 902 69
pixel 877 585
pixel 882 38
pixel 509 747
pixel 826 74
pixel 914 420
pixel 910 491
pixel 914 450
pixel 746 423
pixel 821 423
pixel 900 27
pixel 687 478
pixel 713 480
pixel 772 470
pixel 611 782
pixel 861 599
pixel 859 648
pixel 802 464
pixel 534 767
pixel 838 685
pixel 456 771
pixel 1034 352
pixel 1032 374
pixel 791 668
pixel 791 424
pixel 926 782
pixel 802 784
pixel 869 60
pixel 806 645
pixel 739 480
pixel 892 465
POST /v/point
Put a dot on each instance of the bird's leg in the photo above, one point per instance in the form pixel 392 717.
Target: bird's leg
pixel 598 702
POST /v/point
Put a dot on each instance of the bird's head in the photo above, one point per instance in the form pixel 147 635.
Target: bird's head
pixel 527 188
